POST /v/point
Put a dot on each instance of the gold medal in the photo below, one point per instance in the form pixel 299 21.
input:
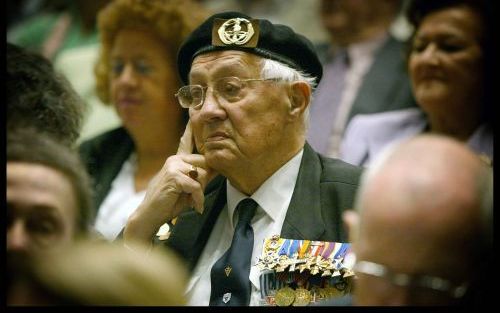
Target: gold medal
pixel 302 297
pixel 332 292
pixel 284 297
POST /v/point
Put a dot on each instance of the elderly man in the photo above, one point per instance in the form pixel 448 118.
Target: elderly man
pixel 249 89
pixel 425 225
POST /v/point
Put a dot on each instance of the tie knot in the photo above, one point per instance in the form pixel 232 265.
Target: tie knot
pixel 246 210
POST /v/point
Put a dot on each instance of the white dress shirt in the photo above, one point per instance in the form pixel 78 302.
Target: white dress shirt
pixel 361 57
pixel 120 202
pixel 273 198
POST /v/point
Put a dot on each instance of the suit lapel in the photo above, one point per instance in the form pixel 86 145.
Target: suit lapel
pixel 381 92
pixel 119 153
pixel 304 211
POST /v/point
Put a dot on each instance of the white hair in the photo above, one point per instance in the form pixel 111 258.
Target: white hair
pixel 272 69
pixel 275 69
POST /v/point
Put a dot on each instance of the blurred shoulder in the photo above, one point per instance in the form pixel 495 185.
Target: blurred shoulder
pixel 114 137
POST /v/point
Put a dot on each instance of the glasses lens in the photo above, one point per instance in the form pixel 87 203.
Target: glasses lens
pixel 229 88
pixel 190 96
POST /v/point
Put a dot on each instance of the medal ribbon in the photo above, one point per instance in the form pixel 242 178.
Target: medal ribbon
pixel 320 250
pixel 328 250
pixel 284 247
pixel 293 247
pixel 303 248
pixel 342 250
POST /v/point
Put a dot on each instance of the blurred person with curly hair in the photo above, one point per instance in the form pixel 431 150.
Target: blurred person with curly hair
pixel 136 73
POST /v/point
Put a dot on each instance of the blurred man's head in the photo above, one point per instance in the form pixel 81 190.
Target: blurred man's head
pixel 352 21
pixel 48 193
pixel 39 97
pixel 421 224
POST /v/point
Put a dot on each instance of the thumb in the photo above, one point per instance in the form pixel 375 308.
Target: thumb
pixel 186 144
pixel 351 222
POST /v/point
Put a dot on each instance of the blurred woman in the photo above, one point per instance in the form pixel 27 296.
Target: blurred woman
pixel 136 72
pixel 450 64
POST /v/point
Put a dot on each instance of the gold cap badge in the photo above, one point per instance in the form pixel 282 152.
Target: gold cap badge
pixel 236 31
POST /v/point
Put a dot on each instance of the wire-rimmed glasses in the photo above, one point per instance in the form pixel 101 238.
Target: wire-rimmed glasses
pixel 228 89
pixel 406 280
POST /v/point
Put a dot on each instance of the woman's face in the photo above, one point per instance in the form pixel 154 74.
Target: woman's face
pixel 143 79
pixel 445 62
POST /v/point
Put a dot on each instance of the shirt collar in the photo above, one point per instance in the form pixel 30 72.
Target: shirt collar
pixel 366 48
pixel 272 194
pixel 481 141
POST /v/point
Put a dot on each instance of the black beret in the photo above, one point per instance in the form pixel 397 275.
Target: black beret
pixel 272 41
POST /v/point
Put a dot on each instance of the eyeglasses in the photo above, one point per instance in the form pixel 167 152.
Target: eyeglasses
pixel 228 89
pixel 405 280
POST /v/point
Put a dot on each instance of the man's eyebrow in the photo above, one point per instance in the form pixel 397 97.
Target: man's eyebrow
pixel 46 210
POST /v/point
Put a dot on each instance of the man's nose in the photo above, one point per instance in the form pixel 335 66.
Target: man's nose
pixel 17 236
pixel 211 107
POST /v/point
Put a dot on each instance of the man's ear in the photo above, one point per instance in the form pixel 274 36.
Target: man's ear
pixel 300 98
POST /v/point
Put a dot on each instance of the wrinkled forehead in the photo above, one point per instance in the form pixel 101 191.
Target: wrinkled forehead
pixel 225 63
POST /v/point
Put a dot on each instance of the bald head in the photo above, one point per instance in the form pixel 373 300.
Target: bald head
pixel 421 207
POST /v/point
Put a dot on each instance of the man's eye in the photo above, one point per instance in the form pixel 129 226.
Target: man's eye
pixel 196 93
pixel 42 226
pixel 230 89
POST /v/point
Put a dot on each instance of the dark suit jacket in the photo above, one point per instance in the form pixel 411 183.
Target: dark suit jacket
pixel 386 85
pixel 104 156
pixel 325 187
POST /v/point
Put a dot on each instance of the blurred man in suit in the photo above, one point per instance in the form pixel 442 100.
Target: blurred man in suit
pixel 364 69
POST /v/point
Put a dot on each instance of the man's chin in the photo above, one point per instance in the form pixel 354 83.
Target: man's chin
pixel 219 159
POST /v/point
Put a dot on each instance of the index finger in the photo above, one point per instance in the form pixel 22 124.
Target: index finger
pixel 186 144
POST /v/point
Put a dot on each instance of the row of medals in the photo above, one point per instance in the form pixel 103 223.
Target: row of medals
pixel 287 296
